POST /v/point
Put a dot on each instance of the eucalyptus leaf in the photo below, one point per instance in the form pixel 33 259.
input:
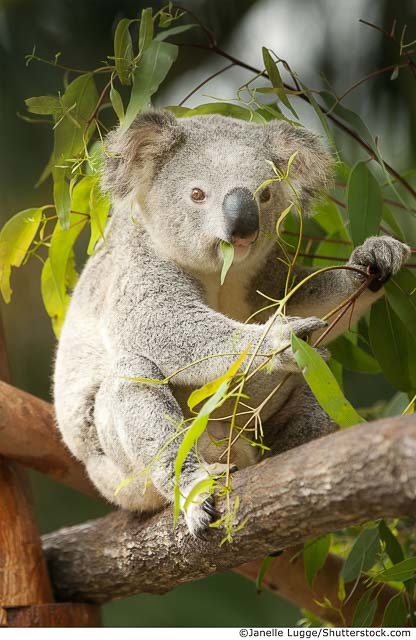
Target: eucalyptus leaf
pixel 16 236
pixel 44 105
pixel 199 395
pixel 117 103
pixel 204 486
pixel 58 268
pixel 328 216
pixel 393 223
pixel 225 109
pixel 145 31
pixel 365 204
pixel 123 50
pixel 400 572
pixel 362 555
pixel 264 567
pixel 152 69
pixel 393 346
pixel 395 613
pixel 401 294
pixel 353 357
pixel 350 117
pixel 194 432
pixel 72 132
pixel 227 252
pixel 99 209
pixel 365 610
pixel 315 553
pixel 392 545
pixel 276 80
pixel 323 384
pixel 174 31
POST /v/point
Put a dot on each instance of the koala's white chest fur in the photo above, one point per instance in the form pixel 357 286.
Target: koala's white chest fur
pixel 229 299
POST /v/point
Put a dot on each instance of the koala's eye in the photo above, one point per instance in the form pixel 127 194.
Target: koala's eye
pixel 265 195
pixel 198 195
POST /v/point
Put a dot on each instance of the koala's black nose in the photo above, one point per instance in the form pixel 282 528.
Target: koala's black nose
pixel 241 215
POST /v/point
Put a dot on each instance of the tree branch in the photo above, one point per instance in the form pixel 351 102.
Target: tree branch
pixel 28 434
pixel 346 478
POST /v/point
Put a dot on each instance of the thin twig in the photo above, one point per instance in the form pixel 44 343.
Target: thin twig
pixel 204 82
pixel 338 123
pixel 369 76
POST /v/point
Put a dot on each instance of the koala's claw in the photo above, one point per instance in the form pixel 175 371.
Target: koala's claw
pixel 199 516
pixel 209 507
pixel 382 256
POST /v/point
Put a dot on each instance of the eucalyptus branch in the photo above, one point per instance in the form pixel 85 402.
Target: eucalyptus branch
pixel 204 82
pixel 303 96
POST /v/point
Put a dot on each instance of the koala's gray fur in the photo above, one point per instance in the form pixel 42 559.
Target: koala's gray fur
pixel 149 302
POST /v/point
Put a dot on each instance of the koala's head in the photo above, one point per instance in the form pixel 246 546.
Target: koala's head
pixel 195 181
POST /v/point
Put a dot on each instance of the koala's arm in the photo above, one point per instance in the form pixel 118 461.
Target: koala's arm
pixel 382 255
pixel 166 320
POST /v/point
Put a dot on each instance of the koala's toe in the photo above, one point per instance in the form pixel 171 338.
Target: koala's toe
pixel 209 507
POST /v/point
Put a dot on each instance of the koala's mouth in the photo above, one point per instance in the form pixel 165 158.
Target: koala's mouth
pixel 242 246
pixel 240 242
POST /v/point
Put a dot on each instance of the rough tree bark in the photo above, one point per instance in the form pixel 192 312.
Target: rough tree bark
pixel 346 478
pixel 28 431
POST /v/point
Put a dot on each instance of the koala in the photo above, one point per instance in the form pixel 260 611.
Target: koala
pixel 149 301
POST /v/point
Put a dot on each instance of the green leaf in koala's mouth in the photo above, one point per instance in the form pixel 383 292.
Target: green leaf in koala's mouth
pixel 227 251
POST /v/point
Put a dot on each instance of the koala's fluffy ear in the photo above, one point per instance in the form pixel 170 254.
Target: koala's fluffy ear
pixel 312 167
pixel 132 154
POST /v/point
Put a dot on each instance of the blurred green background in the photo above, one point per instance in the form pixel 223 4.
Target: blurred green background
pixel 320 36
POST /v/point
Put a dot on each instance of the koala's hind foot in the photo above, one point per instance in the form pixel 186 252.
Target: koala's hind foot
pixel 139 440
pixel 201 512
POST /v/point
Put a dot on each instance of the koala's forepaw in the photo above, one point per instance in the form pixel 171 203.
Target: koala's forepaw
pixel 302 328
pixel 381 256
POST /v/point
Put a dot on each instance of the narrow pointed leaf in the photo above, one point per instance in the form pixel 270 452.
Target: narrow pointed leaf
pixel 400 572
pixel 395 614
pixel 315 553
pixel 362 555
pixel 145 31
pixel 208 389
pixel 365 610
pixel 227 252
pixel 324 385
pixel 16 237
pixel 152 69
pixel 393 346
pixel 365 204
pixel 401 294
pixel 192 435
pixel 123 50
pixel 117 103
pixel 58 269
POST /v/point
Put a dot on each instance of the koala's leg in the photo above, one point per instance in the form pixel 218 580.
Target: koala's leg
pixel 383 256
pixel 137 427
pixel 300 420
